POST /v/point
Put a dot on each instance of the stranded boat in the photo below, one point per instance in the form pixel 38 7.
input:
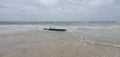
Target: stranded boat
pixel 54 29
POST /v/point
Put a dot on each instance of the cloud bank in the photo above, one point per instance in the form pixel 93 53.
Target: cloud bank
pixel 59 10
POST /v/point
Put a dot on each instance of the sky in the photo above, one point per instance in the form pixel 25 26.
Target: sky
pixel 59 10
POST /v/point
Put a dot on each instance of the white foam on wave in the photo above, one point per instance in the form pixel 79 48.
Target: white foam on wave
pixel 7 29
pixel 104 44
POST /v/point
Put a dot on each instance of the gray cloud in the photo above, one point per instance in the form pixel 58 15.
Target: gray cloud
pixel 2 6
pixel 59 10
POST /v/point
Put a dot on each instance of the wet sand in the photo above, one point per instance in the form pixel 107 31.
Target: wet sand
pixel 52 44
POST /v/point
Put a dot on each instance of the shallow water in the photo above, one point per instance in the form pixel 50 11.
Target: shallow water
pixel 101 32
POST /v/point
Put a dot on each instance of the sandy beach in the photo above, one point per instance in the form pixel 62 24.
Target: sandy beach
pixel 52 44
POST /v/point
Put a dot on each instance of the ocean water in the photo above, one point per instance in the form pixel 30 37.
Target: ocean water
pixel 106 33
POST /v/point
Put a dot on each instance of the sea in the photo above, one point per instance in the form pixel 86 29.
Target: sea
pixel 101 32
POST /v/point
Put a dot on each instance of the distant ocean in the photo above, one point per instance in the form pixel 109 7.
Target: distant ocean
pixel 103 32
pixel 60 23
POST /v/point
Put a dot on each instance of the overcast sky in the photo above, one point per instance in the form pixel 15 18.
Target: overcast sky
pixel 59 10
